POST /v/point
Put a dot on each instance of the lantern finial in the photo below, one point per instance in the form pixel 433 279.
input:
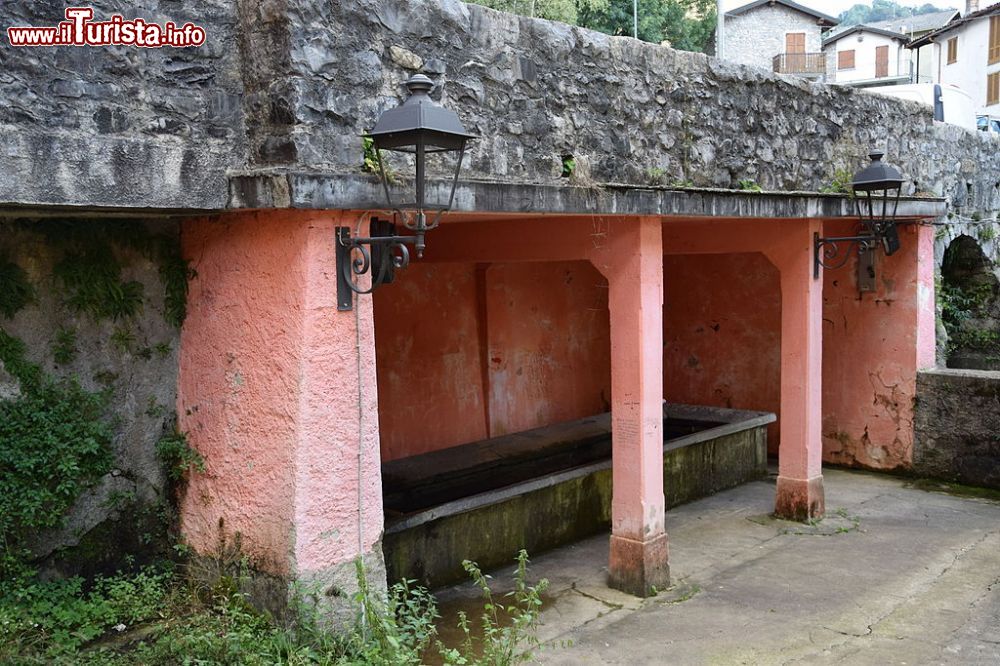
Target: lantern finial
pixel 419 83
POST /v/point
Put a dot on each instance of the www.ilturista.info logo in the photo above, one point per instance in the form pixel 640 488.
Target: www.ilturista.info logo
pixel 80 30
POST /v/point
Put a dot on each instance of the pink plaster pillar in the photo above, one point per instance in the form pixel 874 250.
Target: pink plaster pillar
pixel 800 453
pixel 631 257
pixel 277 391
pixel 926 299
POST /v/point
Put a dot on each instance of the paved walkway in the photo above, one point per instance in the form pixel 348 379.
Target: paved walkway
pixel 893 575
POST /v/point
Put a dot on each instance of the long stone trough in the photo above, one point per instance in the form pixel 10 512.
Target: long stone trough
pixel 547 487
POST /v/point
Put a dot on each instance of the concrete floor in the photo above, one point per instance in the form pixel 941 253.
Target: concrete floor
pixel 893 575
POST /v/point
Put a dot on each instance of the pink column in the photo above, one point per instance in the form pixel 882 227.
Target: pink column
pixel 277 392
pixel 926 308
pixel 631 257
pixel 800 453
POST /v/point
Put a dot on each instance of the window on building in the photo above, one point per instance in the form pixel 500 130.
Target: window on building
pixel 952 50
pixel 845 59
pixel 993 89
pixel 994 39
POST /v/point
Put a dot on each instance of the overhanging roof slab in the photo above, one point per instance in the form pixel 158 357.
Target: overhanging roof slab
pixel 361 192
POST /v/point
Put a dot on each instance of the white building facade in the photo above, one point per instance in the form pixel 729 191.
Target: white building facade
pixel 966 54
pixel 864 54
pixel 778 35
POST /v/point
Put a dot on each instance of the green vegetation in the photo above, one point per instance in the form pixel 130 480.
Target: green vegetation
pixel 90 272
pixel 508 629
pixel 64 347
pixel 840 183
pixel 54 444
pixel 15 290
pixel 92 284
pixel 883 10
pixel 176 274
pixel 656 175
pixel 123 339
pixel 568 166
pixel 684 24
pixel 748 185
pixel 155 616
pixel 178 456
pixel 962 303
pixel 956 489
pixel 370 158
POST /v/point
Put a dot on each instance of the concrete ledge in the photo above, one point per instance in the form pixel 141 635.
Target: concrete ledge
pixel 363 192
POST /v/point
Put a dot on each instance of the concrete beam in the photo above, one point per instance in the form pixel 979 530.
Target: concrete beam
pixel 364 192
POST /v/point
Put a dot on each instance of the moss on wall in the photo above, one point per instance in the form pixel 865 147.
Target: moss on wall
pixel 89 318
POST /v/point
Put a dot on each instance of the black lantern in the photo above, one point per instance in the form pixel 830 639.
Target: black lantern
pixel 876 190
pixel 420 127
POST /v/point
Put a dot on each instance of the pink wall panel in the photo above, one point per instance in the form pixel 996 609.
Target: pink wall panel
pixel 722 332
pixel 549 344
pixel 873 344
pixel 428 351
pixel 531 337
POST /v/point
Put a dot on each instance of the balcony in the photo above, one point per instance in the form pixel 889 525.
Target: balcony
pixel 802 64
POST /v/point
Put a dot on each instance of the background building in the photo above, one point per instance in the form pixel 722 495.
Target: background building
pixel 966 53
pixel 779 35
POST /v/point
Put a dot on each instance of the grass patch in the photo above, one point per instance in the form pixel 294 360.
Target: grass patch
pixel 155 616
pixel 956 489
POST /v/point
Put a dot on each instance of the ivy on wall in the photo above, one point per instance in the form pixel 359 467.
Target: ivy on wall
pixel 55 442
pixel 55 436
pixel 15 290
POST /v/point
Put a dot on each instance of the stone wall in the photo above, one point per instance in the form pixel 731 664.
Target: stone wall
pixel 754 38
pixel 121 126
pixel 957 426
pixel 627 111
pixel 290 84
pixel 132 358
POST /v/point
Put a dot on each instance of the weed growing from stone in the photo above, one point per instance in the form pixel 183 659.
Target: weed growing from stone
pixel 568 166
pixel 15 290
pixel 840 183
pixel 178 456
pixel 64 347
pixel 509 625
pixel 370 163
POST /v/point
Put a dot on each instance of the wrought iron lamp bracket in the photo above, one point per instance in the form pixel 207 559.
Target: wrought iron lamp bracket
pixel 833 253
pixel 379 256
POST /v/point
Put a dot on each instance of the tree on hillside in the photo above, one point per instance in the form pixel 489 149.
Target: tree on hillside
pixel 685 24
pixel 555 10
pixel 883 10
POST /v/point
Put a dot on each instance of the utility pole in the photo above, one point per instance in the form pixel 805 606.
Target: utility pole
pixel 720 29
pixel 635 18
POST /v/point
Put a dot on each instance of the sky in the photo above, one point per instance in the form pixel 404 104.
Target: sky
pixel 834 7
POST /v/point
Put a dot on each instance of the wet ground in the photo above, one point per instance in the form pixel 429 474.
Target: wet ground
pixel 897 573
